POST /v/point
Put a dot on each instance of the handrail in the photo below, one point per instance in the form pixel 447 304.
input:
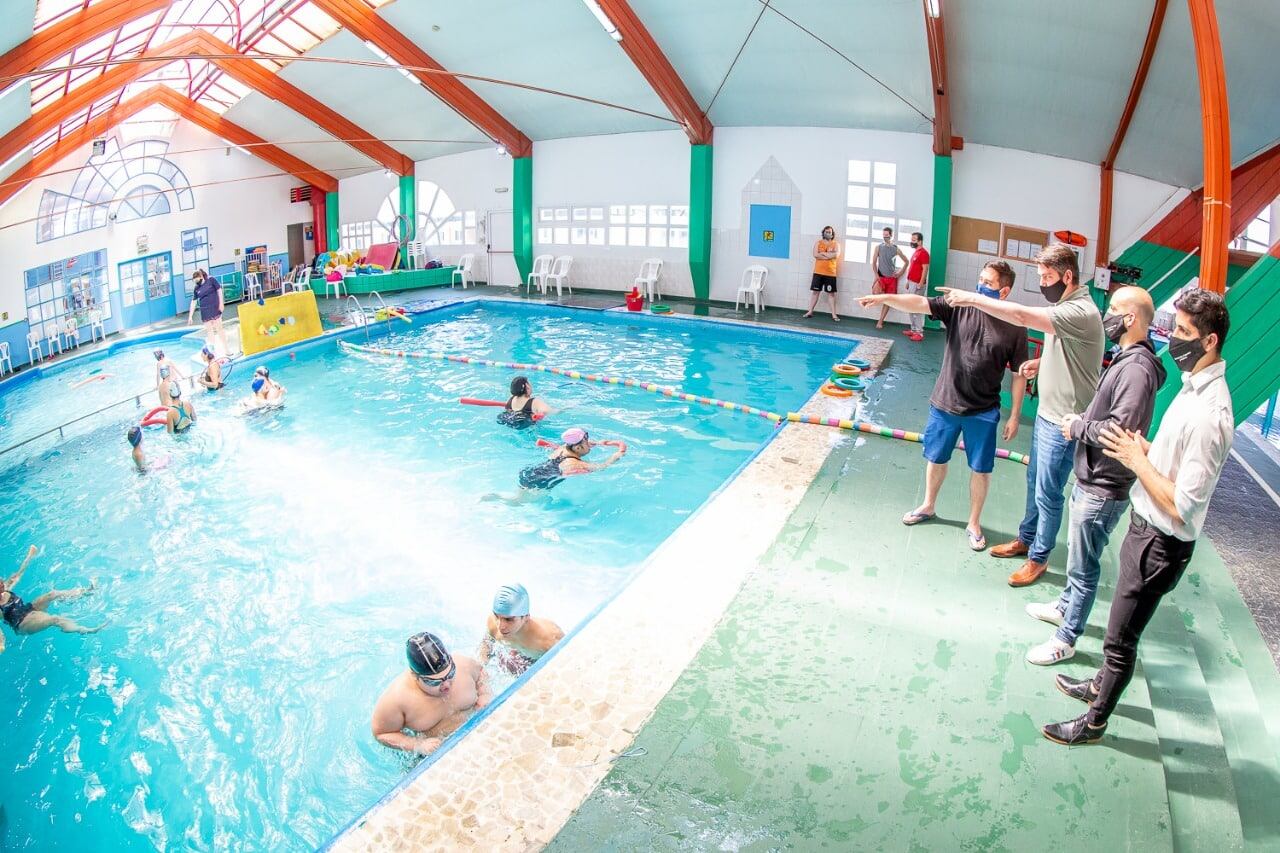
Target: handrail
pixel 364 319
pixel 136 398
pixel 386 311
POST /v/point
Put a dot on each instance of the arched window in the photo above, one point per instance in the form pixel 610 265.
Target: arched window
pixel 435 214
pixel 385 229
pixel 133 182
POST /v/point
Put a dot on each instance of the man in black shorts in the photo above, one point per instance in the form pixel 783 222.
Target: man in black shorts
pixel 826 266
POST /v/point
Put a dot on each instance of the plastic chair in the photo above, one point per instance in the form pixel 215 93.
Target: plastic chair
pixel 647 281
pixel 538 275
pixel 463 271
pixel 54 339
pixel 752 288
pixel 414 251
pixel 252 286
pixel 6 363
pixel 559 275
pixel 337 286
pixel 95 326
pixel 33 348
pixel 71 333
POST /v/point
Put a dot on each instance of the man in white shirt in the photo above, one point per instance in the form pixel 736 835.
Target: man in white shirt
pixel 1177 473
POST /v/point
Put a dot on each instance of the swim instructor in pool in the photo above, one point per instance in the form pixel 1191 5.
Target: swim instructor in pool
pixel 522 638
pixel 431 699
pixel 31 618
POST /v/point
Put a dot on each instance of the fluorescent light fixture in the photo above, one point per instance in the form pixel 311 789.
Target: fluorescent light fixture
pixel 604 19
pixel 386 57
pixel 935 8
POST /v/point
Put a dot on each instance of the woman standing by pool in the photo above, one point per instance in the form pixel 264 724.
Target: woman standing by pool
pixel 31 618
pixel 208 295
pixel 826 265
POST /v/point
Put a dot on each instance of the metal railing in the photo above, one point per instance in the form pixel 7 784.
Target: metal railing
pixel 358 316
pixel 60 429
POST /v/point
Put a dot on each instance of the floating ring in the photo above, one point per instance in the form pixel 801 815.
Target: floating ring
pixel 659 308
pixel 857 362
pixel 849 383
pixel 843 369
pixel 835 391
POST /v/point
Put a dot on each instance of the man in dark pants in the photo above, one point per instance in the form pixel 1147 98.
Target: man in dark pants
pixel 1177 473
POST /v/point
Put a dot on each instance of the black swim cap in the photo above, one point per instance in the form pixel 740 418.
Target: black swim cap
pixel 135 436
pixel 427 654
pixel 519 386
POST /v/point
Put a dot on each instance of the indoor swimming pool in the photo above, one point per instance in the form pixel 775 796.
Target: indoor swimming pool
pixel 260 584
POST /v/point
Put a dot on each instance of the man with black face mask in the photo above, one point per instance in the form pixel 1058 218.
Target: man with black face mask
pixel 1068 369
pixel 1177 473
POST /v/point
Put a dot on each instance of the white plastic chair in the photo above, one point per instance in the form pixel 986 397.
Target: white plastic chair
pixel 95 326
pixel 752 288
pixel 538 275
pixel 54 339
pixel 299 279
pixel 71 333
pixel 336 286
pixel 647 281
pixel 6 363
pixel 413 253
pixel 252 286
pixel 33 347
pixel 463 271
pixel 559 275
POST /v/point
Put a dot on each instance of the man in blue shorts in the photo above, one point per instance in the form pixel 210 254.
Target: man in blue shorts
pixel 966 397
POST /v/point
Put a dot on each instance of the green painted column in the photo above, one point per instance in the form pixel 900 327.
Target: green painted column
pixel 522 214
pixel 939 229
pixel 331 221
pixel 409 206
pixel 700 222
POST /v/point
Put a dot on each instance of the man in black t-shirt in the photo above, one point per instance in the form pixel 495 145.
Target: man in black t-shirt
pixel 966 397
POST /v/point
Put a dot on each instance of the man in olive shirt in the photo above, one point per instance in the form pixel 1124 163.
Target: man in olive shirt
pixel 1068 368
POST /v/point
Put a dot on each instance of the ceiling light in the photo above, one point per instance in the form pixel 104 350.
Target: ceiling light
pixel 388 173
pixel 604 19
pixel 502 151
pixel 935 8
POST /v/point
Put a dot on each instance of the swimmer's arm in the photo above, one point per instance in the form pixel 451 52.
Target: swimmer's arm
pixel 541 408
pixel 17 576
pixel 388 727
pixel 484 693
pixel 485 650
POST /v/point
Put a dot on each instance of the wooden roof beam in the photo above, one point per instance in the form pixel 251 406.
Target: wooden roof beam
pixel 935 35
pixel 72 32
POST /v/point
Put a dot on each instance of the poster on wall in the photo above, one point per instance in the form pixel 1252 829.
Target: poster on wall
pixel 770 231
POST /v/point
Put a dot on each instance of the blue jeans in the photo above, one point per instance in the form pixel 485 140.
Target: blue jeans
pixel 1088 531
pixel 1047 472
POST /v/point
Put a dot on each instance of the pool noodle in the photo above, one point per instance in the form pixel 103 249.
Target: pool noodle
pixel 472 401
pixel 667 391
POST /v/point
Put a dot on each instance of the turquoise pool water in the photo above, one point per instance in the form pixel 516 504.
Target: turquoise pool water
pixel 260 586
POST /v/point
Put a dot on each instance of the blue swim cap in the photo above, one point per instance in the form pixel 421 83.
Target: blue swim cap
pixel 135 436
pixel 511 600
pixel 257 384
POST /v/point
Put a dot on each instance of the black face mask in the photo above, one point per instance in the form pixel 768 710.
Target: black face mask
pixel 915 245
pixel 1186 354
pixel 1053 292
pixel 1113 327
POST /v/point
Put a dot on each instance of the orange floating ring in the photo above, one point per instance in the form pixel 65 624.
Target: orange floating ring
pixel 834 391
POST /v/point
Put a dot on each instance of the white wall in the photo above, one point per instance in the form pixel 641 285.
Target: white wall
pixel 473 180
pixel 360 197
pixel 1052 194
pixel 814 181
pixel 628 168
pixel 233 199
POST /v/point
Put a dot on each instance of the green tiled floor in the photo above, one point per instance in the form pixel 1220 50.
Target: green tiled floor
pixel 867 690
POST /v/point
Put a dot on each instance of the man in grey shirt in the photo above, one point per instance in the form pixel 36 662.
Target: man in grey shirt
pixel 1068 368
pixel 884 267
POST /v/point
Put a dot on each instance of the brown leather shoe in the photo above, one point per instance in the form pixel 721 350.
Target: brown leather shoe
pixel 1016 548
pixel 1027 574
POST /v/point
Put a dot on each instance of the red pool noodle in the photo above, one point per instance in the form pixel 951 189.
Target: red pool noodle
pixel 471 401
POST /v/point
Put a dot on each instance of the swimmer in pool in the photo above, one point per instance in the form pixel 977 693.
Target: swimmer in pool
pixel 266 391
pixel 431 699
pixel 568 460
pixel 167 373
pixel 517 638
pixel 181 414
pixel 522 407
pixel 31 618
pixel 211 378
pixel 135 441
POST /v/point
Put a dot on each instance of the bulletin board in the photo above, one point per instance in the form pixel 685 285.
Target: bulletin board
pixel 975 235
pixel 1022 244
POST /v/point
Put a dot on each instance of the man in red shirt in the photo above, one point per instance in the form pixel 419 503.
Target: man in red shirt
pixel 917 282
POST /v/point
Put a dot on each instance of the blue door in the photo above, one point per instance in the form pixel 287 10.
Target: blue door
pixel 146 290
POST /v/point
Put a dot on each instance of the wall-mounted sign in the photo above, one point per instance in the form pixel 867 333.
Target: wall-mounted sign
pixel 143 244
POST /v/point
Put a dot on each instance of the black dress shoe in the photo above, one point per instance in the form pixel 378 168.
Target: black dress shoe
pixel 1076 688
pixel 1074 732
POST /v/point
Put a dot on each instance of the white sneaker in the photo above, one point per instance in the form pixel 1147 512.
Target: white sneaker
pixel 1045 613
pixel 1050 652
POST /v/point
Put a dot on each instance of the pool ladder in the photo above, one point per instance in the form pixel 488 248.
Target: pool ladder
pixel 363 316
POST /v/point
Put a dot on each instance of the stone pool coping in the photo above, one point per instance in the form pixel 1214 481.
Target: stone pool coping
pixel 528 762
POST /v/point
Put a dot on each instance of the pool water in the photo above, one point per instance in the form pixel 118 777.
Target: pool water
pixel 261 584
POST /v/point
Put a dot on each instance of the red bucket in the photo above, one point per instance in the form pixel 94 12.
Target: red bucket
pixel 635 302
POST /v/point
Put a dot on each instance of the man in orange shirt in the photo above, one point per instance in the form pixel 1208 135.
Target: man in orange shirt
pixel 826 253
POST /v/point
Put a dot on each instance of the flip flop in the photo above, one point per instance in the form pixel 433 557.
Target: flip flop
pixel 977 542
pixel 914 517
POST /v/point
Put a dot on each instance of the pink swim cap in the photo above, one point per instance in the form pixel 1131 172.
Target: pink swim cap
pixel 573 435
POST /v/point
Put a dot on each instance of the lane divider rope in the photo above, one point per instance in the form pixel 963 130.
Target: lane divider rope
pixel 674 393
